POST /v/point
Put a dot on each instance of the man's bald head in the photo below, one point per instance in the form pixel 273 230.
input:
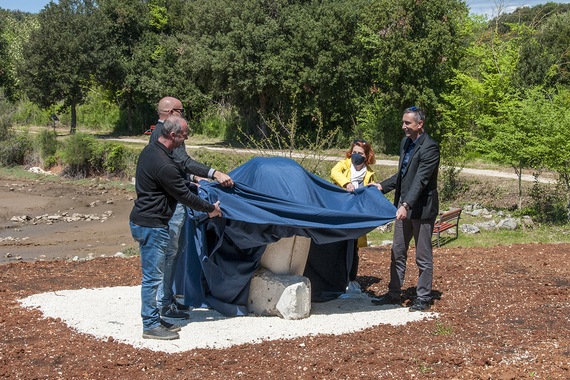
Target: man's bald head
pixel 169 106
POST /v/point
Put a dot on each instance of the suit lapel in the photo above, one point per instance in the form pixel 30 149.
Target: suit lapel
pixel 403 148
pixel 416 148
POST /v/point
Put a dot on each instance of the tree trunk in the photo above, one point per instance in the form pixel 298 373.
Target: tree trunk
pixel 520 189
pixel 73 118
pixel 130 112
pixel 518 172
pixel 567 181
pixel 263 110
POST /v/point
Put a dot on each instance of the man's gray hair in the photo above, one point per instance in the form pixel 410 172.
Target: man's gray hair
pixel 172 124
pixel 419 114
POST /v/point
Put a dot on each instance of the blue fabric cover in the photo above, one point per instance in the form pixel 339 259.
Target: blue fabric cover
pixel 272 198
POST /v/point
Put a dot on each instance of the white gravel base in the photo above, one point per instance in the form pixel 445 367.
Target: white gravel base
pixel 115 312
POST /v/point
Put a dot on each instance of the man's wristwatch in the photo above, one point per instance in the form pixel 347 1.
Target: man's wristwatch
pixel 406 206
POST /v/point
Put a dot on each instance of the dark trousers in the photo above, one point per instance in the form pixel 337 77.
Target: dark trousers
pixel 421 231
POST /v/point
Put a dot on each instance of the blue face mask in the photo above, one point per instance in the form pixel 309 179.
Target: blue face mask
pixel 357 159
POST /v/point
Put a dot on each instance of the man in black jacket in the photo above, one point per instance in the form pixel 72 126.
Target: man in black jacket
pixel 191 170
pixel 418 205
pixel 159 188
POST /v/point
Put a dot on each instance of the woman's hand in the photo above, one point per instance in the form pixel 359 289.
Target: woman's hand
pixel 350 187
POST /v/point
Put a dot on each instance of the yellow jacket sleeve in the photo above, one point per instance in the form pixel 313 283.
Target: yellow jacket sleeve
pixel 340 173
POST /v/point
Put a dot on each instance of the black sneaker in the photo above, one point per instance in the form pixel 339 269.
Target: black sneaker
pixel 160 332
pixel 180 306
pixel 174 327
pixel 386 299
pixel 171 311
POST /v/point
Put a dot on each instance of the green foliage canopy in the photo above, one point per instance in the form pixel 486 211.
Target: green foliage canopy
pixel 59 58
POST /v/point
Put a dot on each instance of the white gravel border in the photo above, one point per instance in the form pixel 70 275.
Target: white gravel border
pixel 115 312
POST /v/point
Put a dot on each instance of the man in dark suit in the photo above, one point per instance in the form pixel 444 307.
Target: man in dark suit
pixel 418 205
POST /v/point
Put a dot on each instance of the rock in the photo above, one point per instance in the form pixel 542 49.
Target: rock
pixel 487 225
pixel 386 228
pixel 479 212
pixel 385 243
pixel 295 301
pixel 469 229
pixel 285 295
pixel 487 216
pixel 507 224
pixel 21 219
pixel 119 254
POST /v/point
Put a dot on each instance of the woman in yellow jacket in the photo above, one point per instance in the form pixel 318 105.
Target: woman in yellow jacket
pixel 353 173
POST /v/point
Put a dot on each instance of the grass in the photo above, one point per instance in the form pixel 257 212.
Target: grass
pixel 488 238
pixel 131 251
pixel 442 328
pixel 20 173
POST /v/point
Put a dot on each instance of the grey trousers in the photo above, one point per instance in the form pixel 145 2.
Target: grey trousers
pixel 421 230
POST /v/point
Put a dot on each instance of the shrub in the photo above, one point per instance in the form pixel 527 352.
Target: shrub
pixel 217 121
pixel 27 113
pixel 14 150
pixel 47 143
pixel 548 203
pixel 108 157
pixel 13 147
pixel 77 155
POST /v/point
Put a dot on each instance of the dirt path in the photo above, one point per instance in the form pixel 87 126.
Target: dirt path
pixel 100 226
pixel 528 177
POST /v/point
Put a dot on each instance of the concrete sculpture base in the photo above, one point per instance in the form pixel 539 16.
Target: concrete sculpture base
pixel 278 287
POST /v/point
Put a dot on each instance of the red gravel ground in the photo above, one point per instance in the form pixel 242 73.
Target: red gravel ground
pixel 503 314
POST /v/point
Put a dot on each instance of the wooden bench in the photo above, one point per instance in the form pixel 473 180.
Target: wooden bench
pixel 149 131
pixel 445 222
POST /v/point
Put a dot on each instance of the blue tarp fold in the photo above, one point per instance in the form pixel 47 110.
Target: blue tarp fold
pixel 272 198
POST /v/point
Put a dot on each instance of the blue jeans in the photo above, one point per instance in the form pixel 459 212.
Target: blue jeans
pixel 152 246
pixel 176 246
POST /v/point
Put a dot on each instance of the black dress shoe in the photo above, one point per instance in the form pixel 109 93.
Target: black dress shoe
pixel 420 305
pixel 386 299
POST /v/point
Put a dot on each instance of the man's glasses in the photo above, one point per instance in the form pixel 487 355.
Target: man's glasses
pixel 179 110
pixel 360 141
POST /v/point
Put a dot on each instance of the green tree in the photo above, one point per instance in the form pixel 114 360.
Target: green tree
pixel 551 113
pixel 59 58
pixel 15 29
pixel 124 24
pixel 416 46
pixel 258 56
